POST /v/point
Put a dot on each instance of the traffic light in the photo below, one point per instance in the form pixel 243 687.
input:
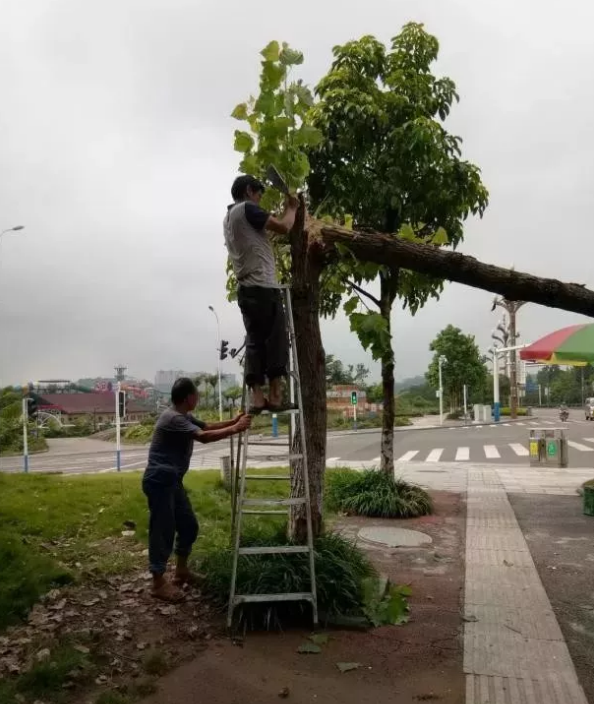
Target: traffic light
pixel 122 403
pixel 353 398
pixel 32 406
pixel 224 349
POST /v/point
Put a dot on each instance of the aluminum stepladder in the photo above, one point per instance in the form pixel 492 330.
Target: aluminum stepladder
pixel 241 506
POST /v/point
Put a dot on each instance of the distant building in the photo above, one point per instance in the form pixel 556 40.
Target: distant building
pixel 96 408
pixel 164 380
pixel 338 398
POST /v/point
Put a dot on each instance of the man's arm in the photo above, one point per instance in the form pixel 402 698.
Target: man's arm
pixel 233 428
pixel 261 220
pixel 221 425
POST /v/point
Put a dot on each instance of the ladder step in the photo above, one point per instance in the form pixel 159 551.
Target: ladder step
pixel 264 513
pixel 260 598
pixel 276 458
pixel 274 502
pixel 268 444
pixel 274 550
pixel 267 476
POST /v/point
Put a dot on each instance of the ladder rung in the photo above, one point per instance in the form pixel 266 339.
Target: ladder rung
pixel 274 550
pixel 259 598
pixel 266 412
pixel 267 476
pixel 264 513
pixel 299 501
pixel 275 458
pixel 268 444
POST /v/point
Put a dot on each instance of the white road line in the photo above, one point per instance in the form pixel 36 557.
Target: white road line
pixel 580 447
pixel 376 459
pixel 506 425
pixel 520 424
pixel 332 459
pixel 462 454
pixel 491 452
pixel 588 439
pixel 520 450
pixel 434 455
pixel 478 427
pixel 408 456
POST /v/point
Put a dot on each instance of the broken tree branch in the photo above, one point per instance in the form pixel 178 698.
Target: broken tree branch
pixel 395 252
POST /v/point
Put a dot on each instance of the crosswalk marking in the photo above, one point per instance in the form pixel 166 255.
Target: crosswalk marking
pixel 408 456
pixel 462 454
pixel 376 459
pixel 520 450
pixel 434 455
pixel 491 452
pixel 588 439
pixel 332 459
pixel 520 423
pixel 579 446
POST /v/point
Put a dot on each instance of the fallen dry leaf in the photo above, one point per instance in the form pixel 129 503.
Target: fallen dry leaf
pixel 348 666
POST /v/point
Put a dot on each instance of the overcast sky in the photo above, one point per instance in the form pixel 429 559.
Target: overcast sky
pixel 116 154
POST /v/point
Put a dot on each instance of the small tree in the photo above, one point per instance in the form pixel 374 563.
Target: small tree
pixel 463 364
pixel 387 163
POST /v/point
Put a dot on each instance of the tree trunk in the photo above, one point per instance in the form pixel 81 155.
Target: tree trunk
pixel 397 253
pixel 388 288
pixel 306 267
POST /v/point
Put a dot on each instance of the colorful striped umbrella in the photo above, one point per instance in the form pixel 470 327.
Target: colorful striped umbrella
pixel 573 345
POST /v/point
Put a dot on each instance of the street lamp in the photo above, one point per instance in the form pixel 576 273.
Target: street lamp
pixel 16 228
pixel 440 361
pixel 219 369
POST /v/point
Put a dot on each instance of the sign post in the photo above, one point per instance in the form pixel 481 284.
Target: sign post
pixel 25 409
pixel 354 405
pixel 118 427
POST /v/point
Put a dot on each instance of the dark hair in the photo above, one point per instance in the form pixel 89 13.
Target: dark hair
pixel 181 389
pixel 241 184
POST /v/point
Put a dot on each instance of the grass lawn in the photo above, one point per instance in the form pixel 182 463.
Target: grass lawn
pixel 55 529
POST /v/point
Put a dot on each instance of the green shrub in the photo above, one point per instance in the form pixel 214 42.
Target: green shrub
pixel 506 411
pixel 376 494
pixel 341 571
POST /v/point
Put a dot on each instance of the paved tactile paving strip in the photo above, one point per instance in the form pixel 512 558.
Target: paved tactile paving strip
pixel 514 652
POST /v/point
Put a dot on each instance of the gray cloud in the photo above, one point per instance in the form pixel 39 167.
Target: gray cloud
pixel 116 153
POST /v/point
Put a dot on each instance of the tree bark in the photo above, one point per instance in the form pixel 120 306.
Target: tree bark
pixel 388 288
pixel 306 267
pixel 397 253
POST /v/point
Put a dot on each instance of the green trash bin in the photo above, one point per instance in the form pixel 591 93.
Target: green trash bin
pixel 588 488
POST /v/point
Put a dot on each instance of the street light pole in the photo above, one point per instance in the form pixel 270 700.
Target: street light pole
pixel 496 403
pixel 440 363
pixel 16 228
pixel 219 363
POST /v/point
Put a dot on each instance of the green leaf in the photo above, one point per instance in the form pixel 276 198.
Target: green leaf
pixel 308 136
pixel 348 666
pixel 266 104
pixel 250 164
pixel 243 141
pixel 240 112
pixel 272 76
pixel 372 331
pixel 348 222
pixel 351 305
pixel 440 237
pixel 271 51
pixel 309 649
pixel 304 95
pixel 290 57
pixel 407 232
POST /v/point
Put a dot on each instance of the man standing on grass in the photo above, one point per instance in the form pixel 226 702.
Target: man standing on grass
pixel 171 514
pixel 250 250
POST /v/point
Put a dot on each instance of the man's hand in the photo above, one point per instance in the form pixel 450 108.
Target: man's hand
pixel 291 202
pixel 243 423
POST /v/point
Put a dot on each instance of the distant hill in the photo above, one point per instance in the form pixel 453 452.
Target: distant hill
pixel 409 383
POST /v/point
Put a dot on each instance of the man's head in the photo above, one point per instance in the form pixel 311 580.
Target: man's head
pixel 184 394
pixel 247 187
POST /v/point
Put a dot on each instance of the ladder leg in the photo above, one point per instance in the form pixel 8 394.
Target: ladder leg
pixel 237 536
pixel 237 472
pixel 296 387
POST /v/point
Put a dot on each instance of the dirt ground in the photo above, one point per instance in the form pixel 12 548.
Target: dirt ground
pixel 417 662
pixel 561 540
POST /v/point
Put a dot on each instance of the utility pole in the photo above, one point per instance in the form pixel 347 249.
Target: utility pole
pixel 440 363
pixel 511 308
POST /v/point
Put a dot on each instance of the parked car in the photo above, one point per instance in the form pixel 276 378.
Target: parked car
pixel 589 409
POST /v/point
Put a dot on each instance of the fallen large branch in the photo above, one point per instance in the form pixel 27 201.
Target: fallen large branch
pixel 453 266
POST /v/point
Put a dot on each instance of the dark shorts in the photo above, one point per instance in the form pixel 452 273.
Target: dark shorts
pixel 267 345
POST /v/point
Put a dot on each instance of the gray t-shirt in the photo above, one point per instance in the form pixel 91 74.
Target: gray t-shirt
pixel 249 248
pixel 171 447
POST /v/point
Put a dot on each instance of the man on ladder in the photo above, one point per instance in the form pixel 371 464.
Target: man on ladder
pixel 258 294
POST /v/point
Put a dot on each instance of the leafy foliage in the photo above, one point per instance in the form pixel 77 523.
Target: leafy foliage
pixel 375 494
pixel 337 373
pixel 463 364
pixel 389 609
pixel 341 569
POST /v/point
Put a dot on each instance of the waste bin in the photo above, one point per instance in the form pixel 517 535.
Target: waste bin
pixel 548 447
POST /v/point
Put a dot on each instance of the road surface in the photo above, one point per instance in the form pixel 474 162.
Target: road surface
pixel 505 444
